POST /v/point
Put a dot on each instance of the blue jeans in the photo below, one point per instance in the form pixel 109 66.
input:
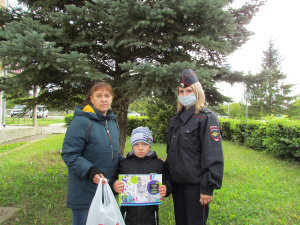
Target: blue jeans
pixel 80 216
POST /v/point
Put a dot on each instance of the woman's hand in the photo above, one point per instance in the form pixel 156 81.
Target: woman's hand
pixel 97 178
pixel 162 190
pixel 205 199
pixel 118 186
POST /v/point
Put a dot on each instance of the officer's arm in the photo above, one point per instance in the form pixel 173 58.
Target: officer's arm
pixel 212 162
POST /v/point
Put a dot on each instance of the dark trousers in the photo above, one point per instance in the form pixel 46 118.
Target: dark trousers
pixel 80 216
pixel 187 207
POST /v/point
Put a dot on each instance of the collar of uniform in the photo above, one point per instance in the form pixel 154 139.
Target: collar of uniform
pixel 186 114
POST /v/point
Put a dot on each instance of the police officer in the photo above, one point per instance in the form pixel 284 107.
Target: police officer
pixel 195 157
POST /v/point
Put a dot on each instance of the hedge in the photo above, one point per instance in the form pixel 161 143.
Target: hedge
pixel 277 135
pixel 134 122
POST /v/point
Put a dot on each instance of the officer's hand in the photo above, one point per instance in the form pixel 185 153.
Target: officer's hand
pixel 205 199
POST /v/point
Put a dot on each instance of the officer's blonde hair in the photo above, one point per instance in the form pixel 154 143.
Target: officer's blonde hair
pixel 200 96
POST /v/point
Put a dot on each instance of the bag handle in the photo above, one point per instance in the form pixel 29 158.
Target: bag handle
pixel 104 195
pixel 100 191
pixel 106 199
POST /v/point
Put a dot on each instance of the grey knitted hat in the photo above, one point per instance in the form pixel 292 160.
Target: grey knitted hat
pixel 141 134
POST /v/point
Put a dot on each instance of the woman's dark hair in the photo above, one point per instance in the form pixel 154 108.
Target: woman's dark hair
pixel 100 85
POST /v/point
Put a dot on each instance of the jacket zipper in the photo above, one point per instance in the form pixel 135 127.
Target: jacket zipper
pixel 107 131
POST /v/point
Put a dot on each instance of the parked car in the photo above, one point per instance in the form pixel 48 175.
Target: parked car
pixel 41 111
pixel 18 110
pixel 134 114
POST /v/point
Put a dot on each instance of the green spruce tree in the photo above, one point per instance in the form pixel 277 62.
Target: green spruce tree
pixel 294 110
pixel 271 95
pixel 140 47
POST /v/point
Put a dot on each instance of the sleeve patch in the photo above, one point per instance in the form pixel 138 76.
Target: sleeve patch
pixel 214 133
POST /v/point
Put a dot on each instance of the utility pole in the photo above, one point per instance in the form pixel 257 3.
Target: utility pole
pixel 3 4
pixel 34 116
pixel 2 101
pixel 228 105
pixel 228 109
pixel 247 96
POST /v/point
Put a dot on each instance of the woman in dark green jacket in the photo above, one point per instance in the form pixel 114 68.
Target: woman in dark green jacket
pixel 91 150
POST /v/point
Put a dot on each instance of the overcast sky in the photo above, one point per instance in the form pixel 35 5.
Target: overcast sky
pixel 277 20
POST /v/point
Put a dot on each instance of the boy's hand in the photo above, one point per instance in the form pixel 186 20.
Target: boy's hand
pixel 118 186
pixel 162 190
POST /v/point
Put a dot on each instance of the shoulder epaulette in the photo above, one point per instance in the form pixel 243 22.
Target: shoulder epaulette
pixel 205 110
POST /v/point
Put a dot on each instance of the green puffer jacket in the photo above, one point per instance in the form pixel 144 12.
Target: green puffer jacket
pixel 98 152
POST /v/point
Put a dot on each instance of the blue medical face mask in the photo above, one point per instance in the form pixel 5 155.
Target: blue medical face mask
pixel 188 100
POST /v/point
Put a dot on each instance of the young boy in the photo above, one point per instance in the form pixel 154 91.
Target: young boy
pixel 142 161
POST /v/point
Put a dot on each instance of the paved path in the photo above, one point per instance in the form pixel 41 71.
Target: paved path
pixel 57 128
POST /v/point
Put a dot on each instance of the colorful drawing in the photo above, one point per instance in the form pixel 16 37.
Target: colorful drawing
pixel 140 189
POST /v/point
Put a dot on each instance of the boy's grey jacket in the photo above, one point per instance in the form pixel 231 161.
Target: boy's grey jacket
pixel 80 155
pixel 143 215
pixel 194 150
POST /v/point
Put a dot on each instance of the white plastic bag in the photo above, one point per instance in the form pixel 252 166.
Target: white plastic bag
pixel 104 209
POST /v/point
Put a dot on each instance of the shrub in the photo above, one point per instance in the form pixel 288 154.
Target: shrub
pixel 283 137
pixel 239 132
pixel 68 118
pixel 134 122
pixel 159 114
pixel 256 132
pixel 225 129
pixel 279 136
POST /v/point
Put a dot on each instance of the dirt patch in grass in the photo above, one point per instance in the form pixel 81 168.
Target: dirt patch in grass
pixel 7 212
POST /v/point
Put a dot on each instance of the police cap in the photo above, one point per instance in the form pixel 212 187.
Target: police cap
pixel 187 78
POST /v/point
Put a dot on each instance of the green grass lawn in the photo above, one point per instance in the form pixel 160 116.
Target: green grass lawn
pixel 257 188
pixel 29 121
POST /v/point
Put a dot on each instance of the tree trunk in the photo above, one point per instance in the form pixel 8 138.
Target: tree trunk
pixel 120 108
